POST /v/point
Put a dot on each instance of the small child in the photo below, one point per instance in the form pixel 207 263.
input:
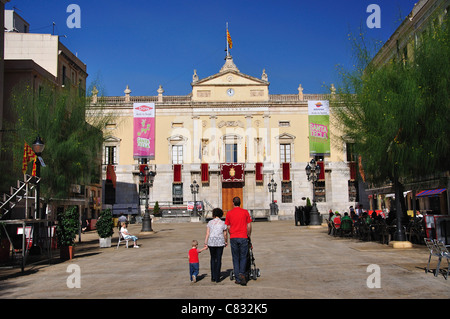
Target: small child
pixel 194 264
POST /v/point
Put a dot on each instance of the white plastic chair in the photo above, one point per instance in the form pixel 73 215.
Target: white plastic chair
pixel 121 238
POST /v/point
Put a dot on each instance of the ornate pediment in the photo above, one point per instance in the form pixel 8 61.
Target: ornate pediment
pixel 229 65
pixel 230 85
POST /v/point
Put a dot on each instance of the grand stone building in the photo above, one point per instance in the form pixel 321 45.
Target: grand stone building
pixel 232 137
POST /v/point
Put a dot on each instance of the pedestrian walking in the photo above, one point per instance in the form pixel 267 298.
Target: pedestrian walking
pixel 216 239
pixel 239 227
pixel 194 263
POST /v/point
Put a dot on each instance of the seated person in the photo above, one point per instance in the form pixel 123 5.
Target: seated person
pixel 337 220
pixel 346 225
pixel 126 235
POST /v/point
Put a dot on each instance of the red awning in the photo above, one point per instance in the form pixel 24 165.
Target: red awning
pixel 431 192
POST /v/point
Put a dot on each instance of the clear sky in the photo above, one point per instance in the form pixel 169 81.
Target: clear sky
pixel 147 43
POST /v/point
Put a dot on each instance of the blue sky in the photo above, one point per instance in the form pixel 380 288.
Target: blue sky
pixel 145 44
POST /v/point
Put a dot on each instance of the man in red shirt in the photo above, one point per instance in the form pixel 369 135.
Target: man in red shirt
pixel 239 226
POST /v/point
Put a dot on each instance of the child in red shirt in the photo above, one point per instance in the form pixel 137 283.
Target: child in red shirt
pixel 194 264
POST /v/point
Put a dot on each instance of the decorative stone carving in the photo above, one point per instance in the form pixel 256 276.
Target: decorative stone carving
pixel 256 92
pixel 333 91
pixel 94 94
pixel 127 94
pixel 229 65
pixel 160 93
pixel 264 76
pixel 300 92
pixel 230 124
pixel 203 93
pixel 195 76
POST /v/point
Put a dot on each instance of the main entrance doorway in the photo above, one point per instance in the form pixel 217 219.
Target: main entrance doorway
pixel 229 191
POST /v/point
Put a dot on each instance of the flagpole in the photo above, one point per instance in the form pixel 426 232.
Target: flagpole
pixel 226 39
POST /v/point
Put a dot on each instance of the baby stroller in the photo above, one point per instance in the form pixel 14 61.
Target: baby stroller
pixel 251 272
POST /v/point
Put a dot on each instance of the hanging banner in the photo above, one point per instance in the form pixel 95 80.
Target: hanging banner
pixel 144 130
pixel 319 124
pixel 232 172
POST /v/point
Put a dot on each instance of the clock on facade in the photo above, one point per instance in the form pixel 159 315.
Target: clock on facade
pixel 230 92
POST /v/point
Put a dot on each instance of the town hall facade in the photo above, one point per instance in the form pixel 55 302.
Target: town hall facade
pixel 232 137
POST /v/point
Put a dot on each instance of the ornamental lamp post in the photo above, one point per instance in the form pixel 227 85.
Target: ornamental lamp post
pixel 38 147
pixel 272 186
pixel 194 191
pixel 146 179
pixel 312 173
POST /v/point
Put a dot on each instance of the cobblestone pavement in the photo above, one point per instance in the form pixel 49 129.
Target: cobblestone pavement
pixel 295 263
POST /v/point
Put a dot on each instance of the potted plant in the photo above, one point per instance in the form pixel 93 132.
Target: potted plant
pixel 105 228
pixel 67 230
pixel 156 210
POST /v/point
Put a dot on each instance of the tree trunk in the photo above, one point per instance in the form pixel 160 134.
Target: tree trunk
pixel 399 232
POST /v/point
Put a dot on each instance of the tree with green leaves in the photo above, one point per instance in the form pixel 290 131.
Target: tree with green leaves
pixel 73 142
pixel 398 114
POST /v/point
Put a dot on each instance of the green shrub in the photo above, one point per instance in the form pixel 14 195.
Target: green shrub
pixel 68 226
pixel 105 224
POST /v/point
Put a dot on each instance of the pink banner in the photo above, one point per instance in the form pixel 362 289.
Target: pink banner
pixel 144 130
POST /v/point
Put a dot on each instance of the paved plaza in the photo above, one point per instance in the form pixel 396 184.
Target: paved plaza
pixel 296 262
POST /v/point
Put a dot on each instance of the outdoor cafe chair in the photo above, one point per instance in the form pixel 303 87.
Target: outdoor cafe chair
pixel 434 251
pixel 443 253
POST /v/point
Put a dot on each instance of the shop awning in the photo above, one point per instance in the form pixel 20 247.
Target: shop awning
pixel 431 192
pixel 126 209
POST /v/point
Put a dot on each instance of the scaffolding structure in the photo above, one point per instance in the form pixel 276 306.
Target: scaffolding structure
pixel 33 231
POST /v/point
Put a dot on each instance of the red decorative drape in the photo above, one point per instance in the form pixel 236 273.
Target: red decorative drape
pixel 232 172
pixel 286 172
pixel 205 172
pixel 259 172
pixel 322 170
pixel 352 166
pixel 111 174
pixel 177 173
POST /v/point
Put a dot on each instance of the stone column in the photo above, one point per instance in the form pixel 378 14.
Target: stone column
pixel 249 135
pixel 267 139
pixel 214 140
pixel 196 142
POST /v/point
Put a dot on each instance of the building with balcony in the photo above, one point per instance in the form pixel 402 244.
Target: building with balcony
pixel 36 60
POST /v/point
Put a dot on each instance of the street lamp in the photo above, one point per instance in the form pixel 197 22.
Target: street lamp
pixel 312 173
pixel 146 179
pixel 38 147
pixel 194 191
pixel 273 188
